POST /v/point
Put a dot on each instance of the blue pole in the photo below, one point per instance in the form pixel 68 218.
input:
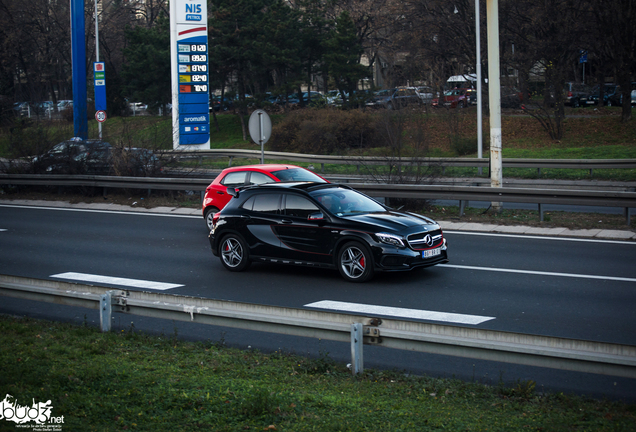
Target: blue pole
pixel 78 53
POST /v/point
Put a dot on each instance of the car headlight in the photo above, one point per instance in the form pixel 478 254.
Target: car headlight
pixel 390 239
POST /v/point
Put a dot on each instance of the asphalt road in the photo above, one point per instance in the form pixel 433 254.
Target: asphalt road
pixel 583 289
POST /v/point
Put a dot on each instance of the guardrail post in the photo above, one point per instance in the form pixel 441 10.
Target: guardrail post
pixel 357 364
pixel 105 311
pixel 230 163
pixel 540 212
pixel 462 207
pixel 627 216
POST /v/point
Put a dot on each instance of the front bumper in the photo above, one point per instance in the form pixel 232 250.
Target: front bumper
pixel 405 259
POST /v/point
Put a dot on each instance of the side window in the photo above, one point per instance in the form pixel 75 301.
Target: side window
pixel 267 203
pixel 234 179
pixel 260 178
pixel 298 206
pixel 248 204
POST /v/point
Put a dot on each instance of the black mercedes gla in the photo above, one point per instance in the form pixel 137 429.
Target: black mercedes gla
pixel 322 225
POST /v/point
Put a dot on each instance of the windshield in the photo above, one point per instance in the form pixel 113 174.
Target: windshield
pixel 342 202
pixel 297 174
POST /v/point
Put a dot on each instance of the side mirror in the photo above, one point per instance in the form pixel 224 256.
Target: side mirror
pixel 316 217
pixel 232 191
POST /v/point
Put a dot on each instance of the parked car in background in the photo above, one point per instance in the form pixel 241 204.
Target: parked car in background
pixel 592 98
pixel 511 97
pixel 217 105
pixel 617 98
pixel 394 98
pixel 425 93
pixel 216 196
pixel 64 104
pixel 325 226
pixel 459 97
pixel 331 96
pixel 576 93
pixel 75 156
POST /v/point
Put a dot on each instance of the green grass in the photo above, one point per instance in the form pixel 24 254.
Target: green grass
pixel 125 380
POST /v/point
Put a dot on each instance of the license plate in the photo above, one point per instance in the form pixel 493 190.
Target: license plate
pixel 431 252
pixel 589 102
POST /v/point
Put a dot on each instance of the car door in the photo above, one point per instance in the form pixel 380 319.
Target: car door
pixel 304 232
pixel 261 214
pixel 231 180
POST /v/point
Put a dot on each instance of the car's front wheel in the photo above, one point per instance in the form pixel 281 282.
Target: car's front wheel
pixel 355 262
pixel 234 253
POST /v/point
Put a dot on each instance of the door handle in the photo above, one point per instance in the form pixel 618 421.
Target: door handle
pixel 220 192
pixel 286 221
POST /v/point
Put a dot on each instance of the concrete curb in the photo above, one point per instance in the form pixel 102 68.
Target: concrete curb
pixel 446 225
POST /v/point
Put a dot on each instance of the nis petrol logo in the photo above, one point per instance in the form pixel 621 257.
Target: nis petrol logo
pixel 38 412
pixel 193 12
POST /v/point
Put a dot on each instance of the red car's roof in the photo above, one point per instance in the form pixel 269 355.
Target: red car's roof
pixel 264 167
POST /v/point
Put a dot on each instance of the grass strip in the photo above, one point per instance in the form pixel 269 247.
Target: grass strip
pixel 126 380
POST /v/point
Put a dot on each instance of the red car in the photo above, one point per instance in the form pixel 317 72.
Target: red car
pixel 454 98
pixel 216 196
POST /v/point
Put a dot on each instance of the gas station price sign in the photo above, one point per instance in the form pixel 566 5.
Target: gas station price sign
pixel 190 73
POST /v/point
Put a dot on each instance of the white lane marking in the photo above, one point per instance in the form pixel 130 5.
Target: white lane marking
pixel 400 312
pixel 2 229
pixel 136 283
pixel 536 237
pixel 132 212
pixel 540 273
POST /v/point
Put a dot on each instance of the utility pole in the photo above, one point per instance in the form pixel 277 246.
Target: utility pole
pixel 78 58
pixel 480 144
pixel 494 98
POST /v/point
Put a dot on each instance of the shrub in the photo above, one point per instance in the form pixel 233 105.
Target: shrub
pixel 325 131
pixel 463 146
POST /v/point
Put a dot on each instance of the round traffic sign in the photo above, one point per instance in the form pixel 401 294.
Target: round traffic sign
pixel 100 116
pixel 260 126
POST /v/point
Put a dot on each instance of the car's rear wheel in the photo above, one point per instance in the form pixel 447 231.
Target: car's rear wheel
pixel 234 254
pixel 355 262
pixel 209 216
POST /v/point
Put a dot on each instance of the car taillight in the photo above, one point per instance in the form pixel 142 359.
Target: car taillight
pixel 215 218
pixel 569 94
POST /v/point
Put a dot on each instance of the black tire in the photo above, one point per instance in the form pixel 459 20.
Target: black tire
pixel 209 214
pixel 355 262
pixel 234 253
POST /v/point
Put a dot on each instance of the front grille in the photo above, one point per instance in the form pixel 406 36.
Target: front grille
pixel 418 241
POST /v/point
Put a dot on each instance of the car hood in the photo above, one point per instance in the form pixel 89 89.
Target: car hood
pixel 392 220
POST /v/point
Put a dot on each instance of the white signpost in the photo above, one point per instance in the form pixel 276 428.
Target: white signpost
pixel 260 126
pixel 190 75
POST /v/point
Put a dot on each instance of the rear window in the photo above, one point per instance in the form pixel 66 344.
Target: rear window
pixel 234 179
pixel 297 174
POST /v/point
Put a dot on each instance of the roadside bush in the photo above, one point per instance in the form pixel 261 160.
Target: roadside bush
pixel 463 146
pixel 325 131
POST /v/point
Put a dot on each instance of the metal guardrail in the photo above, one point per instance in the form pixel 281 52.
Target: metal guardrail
pixel 587 164
pixel 531 350
pixel 463 194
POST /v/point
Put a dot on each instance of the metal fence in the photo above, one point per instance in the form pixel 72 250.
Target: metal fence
pixel 525 349
pixel 463 194
pixel 538 164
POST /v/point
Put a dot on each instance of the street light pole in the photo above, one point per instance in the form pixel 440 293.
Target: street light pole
pixel 480 139
pixel 494 98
